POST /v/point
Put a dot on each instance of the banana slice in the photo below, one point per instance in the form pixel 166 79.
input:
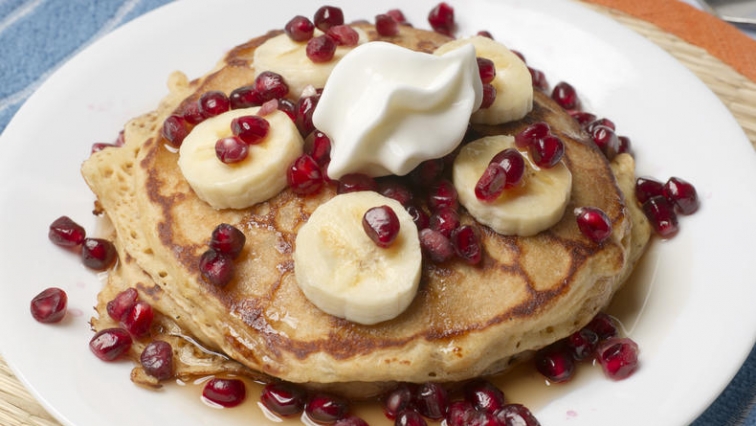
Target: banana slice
pixel 513 83
pixel 288 58
pixel 533 206
pixel 344 273
pixel 257 178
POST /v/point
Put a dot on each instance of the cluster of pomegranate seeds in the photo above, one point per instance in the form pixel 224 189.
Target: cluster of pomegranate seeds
pixel 381 224
pixel 96 253
pixel 593 223
pixel 504 171
pixel 441 19
pixel 487 71
pixel 329 20
pixel 50 305
pixel 544 147
pixel 225 392
pixel 661 203
pixel 135 318
pixel 157 359
pixel 618 356
pixel 216 264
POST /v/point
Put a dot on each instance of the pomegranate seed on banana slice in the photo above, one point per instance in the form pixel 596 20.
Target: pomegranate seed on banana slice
pixel 257 178
pixel 513 84
pixel 533 205
pixel 288 58
pixel 343 272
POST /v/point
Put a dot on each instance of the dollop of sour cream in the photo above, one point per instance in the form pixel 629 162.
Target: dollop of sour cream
pixel 386 108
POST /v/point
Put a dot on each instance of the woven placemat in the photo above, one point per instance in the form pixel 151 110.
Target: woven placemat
pixel 18 407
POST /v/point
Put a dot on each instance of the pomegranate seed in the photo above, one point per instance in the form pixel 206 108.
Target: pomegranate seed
pixel 110 343
pixel 583 118
pixel 516 415
pixel 484 396
pixel 386 25
pixel 120 139
pixel 343 35
pixel 288 107
pixel 539 79
pixel 466 243
pixel 66 233
pixel 432 400
pixel 327 17
pixel 138 319
pixel 646 187
pixel 398 400
pixel 625 145
pixel 49 306
pixel 398 16
pixel 98 254
pixel 217 268
pixel 351 420
pixel 227 239
pixel 394 188
pixel 513 164
pixel 530 134
pixel 157 359
pixel 354 182
pixel 565 95
pixel 231 149
pixel 304 176
pixel 441 19
pixel 427 172
pixel 491 183
pixel 122 304
pixel 321 148
pixel 443 194
pixel 381 224
pixel 419 216
pixel 175 129
pixel 618 357
pixel 410 418
pixel 321 49
pixel 244 97
pixel 606 140
pixel 283 399
pixel 603 325
pixel 487 70
pixel 324 408
pixel 269 107
pixel 682 195
pixel 270 85
pixel 459 413
pixel 305 107
pixel 251 129
pixel 485 33
pixel 662 216
pixel 582 343
pixel 489 96
pixel 593 223
pixel 444 220
pixel 191 113
pixel 299 28
pixel 600 122
pixel 225 392
pixel 436 245
pixel 555 363
pixel 213 103
pixel 547 152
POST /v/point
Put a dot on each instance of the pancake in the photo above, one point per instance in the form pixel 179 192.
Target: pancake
pixel 466 321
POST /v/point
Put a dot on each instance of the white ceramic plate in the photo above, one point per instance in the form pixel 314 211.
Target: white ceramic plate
pixel 689 307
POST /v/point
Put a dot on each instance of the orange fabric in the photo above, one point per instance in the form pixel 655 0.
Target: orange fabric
pixel 696 27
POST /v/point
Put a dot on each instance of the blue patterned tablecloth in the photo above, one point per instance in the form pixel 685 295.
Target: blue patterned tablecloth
pixel 38 36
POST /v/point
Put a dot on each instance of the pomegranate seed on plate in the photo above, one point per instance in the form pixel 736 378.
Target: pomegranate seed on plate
pixel 546 152
pixel 386 25
pixel 138 319
pixel 122 303
pixel 555 363
pixel 304 176
pixel 98 254
pixel 484 395
pixel 618 357
pixel 566 96
pixel 459 413
pixel 593 223
pixel 217 268
pixel 436 245
pixel 431 400
pixel 466 243
pixel 682 195
pixel 227 239
pixel 381 224
pixel 583 343
pixel 231 149
pixel 662 216
pixel 350 420
pixel 410 418
pixel 109 344
pixel 343 35
pixel 327 17
pixel 213 103
pixel 284 399
pixel 175 129
pixel 157 359
pixel 603 325
pixel 251 129
pixel 225 392
pixel 625 145
pixel 441 19
pixel 49 306
pixel 487 70
pixel 516 414
pixel 322 408
pixel 66 233
pixel 646 187
pixel 299 28
pixel 270 85
pixel 397 400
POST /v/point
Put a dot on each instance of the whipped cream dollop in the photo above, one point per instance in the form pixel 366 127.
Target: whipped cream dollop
pixel 386 108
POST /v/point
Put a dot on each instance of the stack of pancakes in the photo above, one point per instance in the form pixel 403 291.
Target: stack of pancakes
pixel 466 321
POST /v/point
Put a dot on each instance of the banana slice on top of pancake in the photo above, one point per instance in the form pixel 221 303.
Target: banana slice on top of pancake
pixel 257 178
pixel 513 83
pixel 344 273
pixel 534 205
